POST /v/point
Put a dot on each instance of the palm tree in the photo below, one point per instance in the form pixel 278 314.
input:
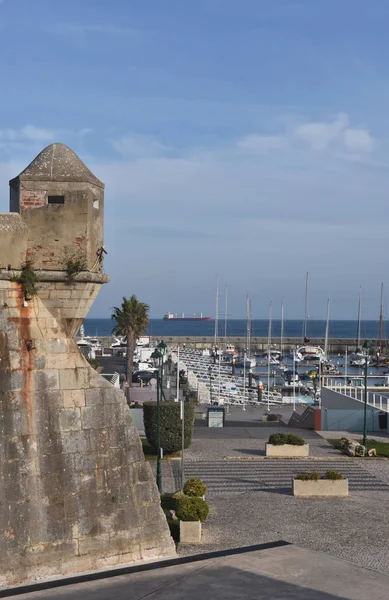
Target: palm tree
pixel 131 321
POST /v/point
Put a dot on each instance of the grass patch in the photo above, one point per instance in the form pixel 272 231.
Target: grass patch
pixel 151 454
pixel 381 447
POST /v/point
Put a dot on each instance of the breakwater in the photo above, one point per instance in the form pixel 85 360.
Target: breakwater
pixel 258 344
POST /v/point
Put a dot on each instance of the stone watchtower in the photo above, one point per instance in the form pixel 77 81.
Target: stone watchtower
pixel 75 491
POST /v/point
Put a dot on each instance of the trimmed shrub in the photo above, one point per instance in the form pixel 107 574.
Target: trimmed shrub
pixel 272 417
pixel 195 487
pixel 314 476
pixel 279 439
pixel 170 425
pixel 192 508
pixel 334 475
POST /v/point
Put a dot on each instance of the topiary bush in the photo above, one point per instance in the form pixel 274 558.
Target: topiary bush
pixel 195 487
pixel 279 439
pixel 334 475
pixel 314 476
pixel 170 425
pixel 192 508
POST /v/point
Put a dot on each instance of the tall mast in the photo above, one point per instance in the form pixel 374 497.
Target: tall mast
pixel 306 309
pixel 268 349
pixel 359 320
pixel 248 326
pixel 282 326
pixel 327 329
pixel 217 310
pixel 225 315
pixel 381 316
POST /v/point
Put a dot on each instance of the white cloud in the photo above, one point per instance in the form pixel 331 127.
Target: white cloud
pixel 322 135
pixel 261 143
pixel 138 146
pixel 359 140
pixel 28 132
pixel 37 134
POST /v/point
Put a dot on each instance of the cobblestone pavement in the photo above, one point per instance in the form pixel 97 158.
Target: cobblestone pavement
pixel 249 441
pixel 250 499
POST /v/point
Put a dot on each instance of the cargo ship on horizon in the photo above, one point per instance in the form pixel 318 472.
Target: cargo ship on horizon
pixel 182 317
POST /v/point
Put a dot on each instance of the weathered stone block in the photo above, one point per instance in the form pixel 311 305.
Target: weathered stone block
pixel 74 379
pixel 93 397
pixel 74 398
pixel 92 418
pixel 75 441
pixel 64 293
pixel 69 419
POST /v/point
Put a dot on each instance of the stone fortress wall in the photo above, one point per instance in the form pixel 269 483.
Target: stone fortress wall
pixel 75 491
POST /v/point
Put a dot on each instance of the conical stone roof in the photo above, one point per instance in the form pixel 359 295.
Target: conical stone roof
pixel 57 163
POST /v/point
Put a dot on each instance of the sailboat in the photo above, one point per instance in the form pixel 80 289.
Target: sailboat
pixel 229 349
pixel 247 361
pixel 307 351
pixel 381 360
pixel 357 358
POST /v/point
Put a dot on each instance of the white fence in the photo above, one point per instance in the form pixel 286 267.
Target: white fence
pixel 358 393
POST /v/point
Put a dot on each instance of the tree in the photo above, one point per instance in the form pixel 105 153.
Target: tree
pixel 131 318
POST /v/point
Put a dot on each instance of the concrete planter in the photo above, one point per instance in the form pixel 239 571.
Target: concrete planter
pixel 322 487
pixel 287 451
pixel 190 532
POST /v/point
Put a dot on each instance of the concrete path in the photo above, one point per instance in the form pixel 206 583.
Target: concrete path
pixel 287 572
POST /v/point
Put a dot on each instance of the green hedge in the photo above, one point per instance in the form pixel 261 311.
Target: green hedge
pixel 170 425
pixel 195 487
pixel 314 476
pixel 334 475
pixel 279 439
pixel 192 508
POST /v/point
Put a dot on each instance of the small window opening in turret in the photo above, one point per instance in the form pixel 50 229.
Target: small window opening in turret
pixel 56 199
pixel 95 203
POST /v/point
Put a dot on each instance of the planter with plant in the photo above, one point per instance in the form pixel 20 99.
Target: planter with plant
pixel 331 484
pixel 286 445
pixel 191 511
pixel 195 487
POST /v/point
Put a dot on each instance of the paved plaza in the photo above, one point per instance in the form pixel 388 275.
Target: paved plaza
pixel 251 500
pixel 283 571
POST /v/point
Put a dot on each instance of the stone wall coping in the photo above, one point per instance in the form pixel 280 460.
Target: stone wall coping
pixel 58 276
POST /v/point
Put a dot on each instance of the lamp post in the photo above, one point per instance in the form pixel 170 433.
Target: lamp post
pixel 210 383
pixel 157 355
pixel 365 403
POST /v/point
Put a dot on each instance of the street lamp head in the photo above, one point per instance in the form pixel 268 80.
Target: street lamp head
pixel 162 346
pixel 156 354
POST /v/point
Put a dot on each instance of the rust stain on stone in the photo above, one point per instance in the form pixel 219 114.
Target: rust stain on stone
pixel 27 356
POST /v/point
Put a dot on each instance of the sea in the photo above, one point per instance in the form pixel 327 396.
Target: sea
pixel 238 328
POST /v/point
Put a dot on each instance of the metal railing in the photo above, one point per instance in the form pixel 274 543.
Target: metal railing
pixel 358 393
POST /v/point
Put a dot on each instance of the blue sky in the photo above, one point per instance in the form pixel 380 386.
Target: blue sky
pixel 247 138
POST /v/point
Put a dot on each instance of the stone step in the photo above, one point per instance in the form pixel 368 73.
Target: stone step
pixel 234 477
